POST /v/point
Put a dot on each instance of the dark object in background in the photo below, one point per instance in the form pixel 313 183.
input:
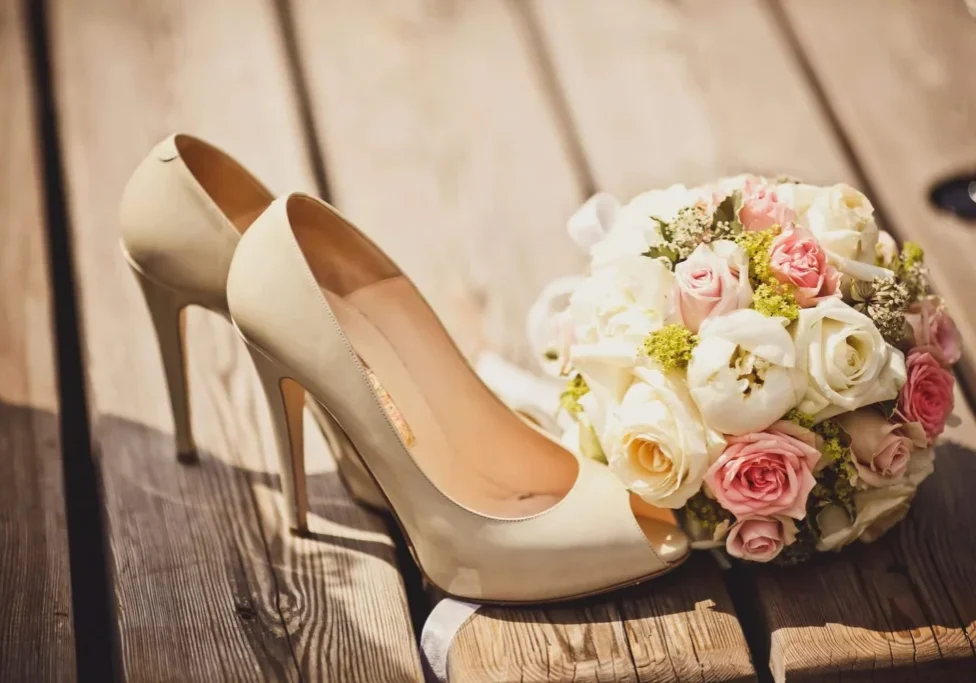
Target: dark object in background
pixel 957 195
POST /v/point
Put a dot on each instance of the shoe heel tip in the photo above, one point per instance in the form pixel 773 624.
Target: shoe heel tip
pixel 187 457
pixel 300 531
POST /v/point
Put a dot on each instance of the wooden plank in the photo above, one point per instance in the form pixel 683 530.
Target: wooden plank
pixel 442 143
pixel 907 110
pixel 871 608
pixel 36 630
pixel 667 92
pixel 681 627
pixel 903 604
pixel 442 146
pixel 208 582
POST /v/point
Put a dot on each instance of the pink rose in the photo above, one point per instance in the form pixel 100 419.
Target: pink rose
pixel 932 326
pixel 758 538
pixel 766 473
pixel 762 208
pixel 796 258
pixel 712 281
pixel 881 449
pixel 926 396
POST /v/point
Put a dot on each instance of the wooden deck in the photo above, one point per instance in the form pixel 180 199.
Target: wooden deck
pixel 460 134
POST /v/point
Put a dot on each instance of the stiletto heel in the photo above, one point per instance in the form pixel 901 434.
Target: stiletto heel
pixel 286 399
pixel 181 248
pixel 349 464
pixel 166 309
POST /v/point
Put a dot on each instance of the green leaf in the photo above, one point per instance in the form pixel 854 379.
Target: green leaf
pixel 727 213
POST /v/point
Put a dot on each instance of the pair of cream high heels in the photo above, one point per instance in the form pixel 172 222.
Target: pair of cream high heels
pixel 492 509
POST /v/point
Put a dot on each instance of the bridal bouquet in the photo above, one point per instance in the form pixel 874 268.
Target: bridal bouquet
pixel 757 354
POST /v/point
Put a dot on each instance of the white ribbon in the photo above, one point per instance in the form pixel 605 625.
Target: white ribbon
pixel 447 617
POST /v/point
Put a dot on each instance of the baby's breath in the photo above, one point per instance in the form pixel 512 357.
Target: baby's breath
pixel 885 301
pixel 689 229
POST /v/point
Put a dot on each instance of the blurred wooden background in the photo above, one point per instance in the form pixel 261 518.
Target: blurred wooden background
pixel 460 134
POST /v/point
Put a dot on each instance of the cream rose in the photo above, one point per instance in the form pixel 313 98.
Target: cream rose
pixel 876 511
pixel 842 220
pixel 742 373
pixel 847 362
pixel 798 196
pixel 655 440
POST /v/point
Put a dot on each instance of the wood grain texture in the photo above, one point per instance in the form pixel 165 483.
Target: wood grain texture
pixel 659 93
pixel 209 584
pixel 690 114
pixel 907 110
pixel 439 142
pixel 443 144
pixel 902 605
pixel 36 629
pixel 677 628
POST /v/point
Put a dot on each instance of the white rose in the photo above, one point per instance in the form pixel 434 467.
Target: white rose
pixel 612 312
pixel 798 196
pixel 664 204
pixel 876 511
pixel 847 361
pixel 842 220
pixel 632 296
pixel 549 327
pixel 742 373
pixel 628 238
pixel 656 442
pixel 633 233
pixel 729 184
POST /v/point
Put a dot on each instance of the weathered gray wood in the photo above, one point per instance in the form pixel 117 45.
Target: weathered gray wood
pixel 441 141
pixel 36 631
pixel 209 584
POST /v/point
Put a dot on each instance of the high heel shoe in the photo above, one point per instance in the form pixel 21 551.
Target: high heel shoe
pixel 182 215
pixel 492 509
